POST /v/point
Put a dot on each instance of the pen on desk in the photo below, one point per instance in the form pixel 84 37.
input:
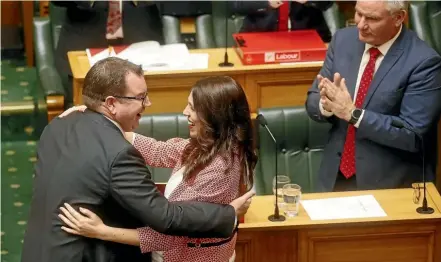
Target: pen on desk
pixel 361 204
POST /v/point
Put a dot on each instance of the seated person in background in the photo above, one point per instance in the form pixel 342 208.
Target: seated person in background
pixel 94 24
pixel 215 165
pixel 374 76
pixel 265 16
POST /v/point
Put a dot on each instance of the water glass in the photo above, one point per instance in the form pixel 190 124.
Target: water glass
pixel 291 197
pixel 281 181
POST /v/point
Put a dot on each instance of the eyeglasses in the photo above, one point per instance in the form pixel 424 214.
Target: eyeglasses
pixel 416 192
pixel 142 99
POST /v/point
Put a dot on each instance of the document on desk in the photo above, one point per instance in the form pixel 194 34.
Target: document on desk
pixel 343 208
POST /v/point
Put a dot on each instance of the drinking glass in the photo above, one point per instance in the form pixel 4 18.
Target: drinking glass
pixel 281 181
pixel 291 196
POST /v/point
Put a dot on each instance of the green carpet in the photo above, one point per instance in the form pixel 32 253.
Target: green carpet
pixel 17 81
pixel 19 133
pixel 18 158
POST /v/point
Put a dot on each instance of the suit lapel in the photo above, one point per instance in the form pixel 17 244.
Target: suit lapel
pixel 351 77
pixel 388 62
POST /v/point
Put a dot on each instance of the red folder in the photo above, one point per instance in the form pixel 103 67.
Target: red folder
pixel 279 47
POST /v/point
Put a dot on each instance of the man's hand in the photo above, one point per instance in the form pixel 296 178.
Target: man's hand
pixel 81 108
pixel 337 98
pixel 242 203
pixel 275 4
pixel 301 1
pixel 321 84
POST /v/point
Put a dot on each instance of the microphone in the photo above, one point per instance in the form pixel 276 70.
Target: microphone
pixel 424 209
pixel 276 217
pixel 225 63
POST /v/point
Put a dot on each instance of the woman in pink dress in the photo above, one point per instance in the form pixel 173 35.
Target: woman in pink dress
pixel 214 165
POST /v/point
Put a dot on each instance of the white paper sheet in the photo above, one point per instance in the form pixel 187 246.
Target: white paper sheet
pixel 343 208
pixel 193 62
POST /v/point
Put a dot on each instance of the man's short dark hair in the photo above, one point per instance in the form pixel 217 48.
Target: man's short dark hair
pixel 107 77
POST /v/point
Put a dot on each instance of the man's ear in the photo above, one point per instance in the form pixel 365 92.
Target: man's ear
pixel 109 103
pixel 400 17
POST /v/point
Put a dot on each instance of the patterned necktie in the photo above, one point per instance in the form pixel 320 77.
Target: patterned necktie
pixel 347 164
pixel 283 16
pixel 114 21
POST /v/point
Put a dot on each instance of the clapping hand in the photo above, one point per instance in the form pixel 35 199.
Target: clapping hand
pixel 335 97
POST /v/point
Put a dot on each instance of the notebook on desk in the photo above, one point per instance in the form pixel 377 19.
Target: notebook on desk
pixel 279 47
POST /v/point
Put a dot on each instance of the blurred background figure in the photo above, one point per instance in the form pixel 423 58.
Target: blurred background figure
pixel 262 16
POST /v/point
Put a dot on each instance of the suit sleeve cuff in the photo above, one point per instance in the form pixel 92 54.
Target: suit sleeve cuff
pixel 324 112
pixel 359 119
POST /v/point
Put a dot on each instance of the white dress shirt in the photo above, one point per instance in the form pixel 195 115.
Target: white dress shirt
pixel 384 48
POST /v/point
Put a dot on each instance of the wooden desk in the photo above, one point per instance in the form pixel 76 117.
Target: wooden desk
pixel 404 235
pixel 265 85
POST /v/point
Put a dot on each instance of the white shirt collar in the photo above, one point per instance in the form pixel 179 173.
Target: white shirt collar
pixel 116 124
pixel 384 48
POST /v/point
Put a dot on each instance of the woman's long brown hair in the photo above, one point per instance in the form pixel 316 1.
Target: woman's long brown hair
pixel 225 127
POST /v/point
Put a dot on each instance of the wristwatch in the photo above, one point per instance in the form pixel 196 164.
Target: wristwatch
pixel 355 116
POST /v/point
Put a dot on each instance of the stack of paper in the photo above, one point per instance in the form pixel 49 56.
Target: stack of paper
pixel 152 56
pixel 343 208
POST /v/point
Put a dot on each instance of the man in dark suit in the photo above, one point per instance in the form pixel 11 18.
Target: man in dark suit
pixel 390 76
pixel 94 24
pixel 271 15
pixel 85 160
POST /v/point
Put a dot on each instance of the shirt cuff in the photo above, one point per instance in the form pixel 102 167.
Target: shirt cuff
pixel 359 119
pixel 323 111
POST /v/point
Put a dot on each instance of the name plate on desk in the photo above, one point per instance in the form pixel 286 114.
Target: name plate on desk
pixel 279 47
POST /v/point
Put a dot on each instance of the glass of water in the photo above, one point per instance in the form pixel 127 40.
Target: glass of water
pixel 281 181
pixel 291 197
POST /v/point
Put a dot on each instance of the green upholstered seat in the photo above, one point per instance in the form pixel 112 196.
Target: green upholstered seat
pixel 300 141
pixel 163 127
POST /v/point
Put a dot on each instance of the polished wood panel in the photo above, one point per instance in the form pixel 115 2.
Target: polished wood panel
pixel 28 17
pixel 403 235
pixel 11 13
pixel 187 25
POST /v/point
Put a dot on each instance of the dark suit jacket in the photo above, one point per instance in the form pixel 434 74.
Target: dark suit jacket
pixel 407 88
pixel 260 17
pixel 85 26
pixel 84 160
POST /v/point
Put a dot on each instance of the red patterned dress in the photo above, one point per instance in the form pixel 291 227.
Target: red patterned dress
pixel 211 184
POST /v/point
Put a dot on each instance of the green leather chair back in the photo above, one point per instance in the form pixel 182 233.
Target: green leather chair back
pixel 220 12
pixel 171 29
pixel 334 18
pixel 163 127
pixel 46 34
pixel 57 16
pixel 300 141
pixel 425 20
pixel 204 31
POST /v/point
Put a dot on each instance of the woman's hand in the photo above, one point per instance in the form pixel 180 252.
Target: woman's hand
pixel 88 225
pixel 73 109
